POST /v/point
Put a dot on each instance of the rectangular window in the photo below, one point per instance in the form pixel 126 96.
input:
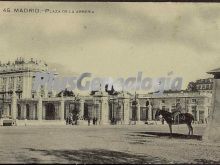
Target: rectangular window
pixel 193 100
pixel 207 86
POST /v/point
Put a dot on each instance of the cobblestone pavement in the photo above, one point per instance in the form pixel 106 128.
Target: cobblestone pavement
pixel 105 144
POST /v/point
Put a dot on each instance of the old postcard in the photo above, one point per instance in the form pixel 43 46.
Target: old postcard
pixel 109 83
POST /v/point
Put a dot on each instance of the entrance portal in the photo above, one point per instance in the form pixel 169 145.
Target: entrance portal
pixel 50 112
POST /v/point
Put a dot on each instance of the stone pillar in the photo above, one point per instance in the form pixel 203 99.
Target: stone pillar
pixel 149 112
pixel 8 109
pixel 138 112
pixel 24 111
pixel 130 111
pixel 81 115
pixel 14 106
pixel 104 109
pixel 160 105
pixel 112 109
pixel 53 93
pixel 190 109
pixel 33 111
pixel 212 132
pixel 197 114
pixel 39 109
pixel 45 91
pixel 6 86
pixel 62 108
pixel 126 111
pixel 120 109
pixel 170 108
pixel 44 112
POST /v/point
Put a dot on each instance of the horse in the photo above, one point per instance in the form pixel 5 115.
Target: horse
pixel 183 118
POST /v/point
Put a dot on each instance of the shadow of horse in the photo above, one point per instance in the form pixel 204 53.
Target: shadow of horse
pixel 165 134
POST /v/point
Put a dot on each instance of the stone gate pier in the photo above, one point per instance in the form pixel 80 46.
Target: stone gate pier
pixel 212 132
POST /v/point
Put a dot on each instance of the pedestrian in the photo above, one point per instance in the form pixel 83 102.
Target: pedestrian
pixel 96 119
pixel 93 120
pixel 88 121
pixel 25 122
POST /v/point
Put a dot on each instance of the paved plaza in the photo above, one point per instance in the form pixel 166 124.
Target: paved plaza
pixel 105 144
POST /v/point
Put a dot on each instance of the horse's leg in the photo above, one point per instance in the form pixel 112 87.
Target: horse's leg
pixel 188 128
pixel 170 126
pixel 191 128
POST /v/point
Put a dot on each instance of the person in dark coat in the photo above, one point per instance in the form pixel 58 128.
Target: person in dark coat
pixel 88 121
pixel 93 120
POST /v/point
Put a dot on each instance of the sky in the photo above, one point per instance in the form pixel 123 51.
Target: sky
pixel 117 40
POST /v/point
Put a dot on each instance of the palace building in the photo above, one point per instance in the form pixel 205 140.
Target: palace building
pixel 20 102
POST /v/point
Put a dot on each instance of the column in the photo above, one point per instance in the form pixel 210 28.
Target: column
pixel 104 111
pixel 8 109
pixel 119 109
pixel 24 111
pixel 97 111
pixel 126 111
pixel 197 114
pixel 138 112
pixel 170 107
pixel 62 108
pixel 45 91
pixel 160 104
pixel 149 112
pixel 39 108
pixel 190 109
pixel 6 86
pixel 33 111
pixel 112 109
pixel 14 106
pixel 81 115
pixel 53 93
pixel 130 111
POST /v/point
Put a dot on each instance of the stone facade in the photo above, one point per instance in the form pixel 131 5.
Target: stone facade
pixel 20 102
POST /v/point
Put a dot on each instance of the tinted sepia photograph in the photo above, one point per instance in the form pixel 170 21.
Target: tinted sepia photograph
pixel 109 83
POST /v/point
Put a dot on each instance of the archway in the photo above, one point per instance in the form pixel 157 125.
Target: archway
pixel 50 112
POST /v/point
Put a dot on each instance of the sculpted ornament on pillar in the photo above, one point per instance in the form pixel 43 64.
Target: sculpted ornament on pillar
pixel 62 104
pixel 81 115
pixel 138 111
pixel 14 105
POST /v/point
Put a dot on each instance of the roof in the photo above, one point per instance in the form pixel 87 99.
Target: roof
pixel 214 71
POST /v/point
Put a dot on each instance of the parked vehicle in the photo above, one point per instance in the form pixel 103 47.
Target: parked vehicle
pixel 7 121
